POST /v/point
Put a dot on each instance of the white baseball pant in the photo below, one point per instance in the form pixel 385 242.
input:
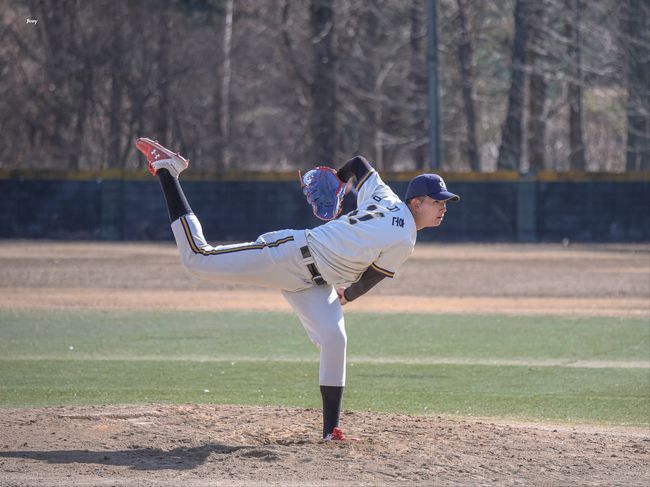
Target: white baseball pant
pixel 275 261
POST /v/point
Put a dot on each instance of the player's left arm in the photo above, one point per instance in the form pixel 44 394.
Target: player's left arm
pixel 358 167
pixel 368 183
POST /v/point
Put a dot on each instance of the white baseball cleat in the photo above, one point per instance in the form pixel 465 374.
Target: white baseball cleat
pixel 159 157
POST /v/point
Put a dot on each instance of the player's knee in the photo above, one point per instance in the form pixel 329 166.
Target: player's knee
pixel 334 339
pixel 191 262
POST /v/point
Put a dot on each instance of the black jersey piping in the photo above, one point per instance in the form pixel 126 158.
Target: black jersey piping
pixel 252 246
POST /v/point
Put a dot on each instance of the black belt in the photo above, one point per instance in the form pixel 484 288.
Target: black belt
pixel 315 274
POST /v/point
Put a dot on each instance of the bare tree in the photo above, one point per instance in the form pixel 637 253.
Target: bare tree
pixel 417 85
pixel 464 53
pixel 577 160
pixel 324 83
pixel 511 133
pixel 316 80
pixel 224 119
pixel 372 81
pixel 223 147
pixel 57 36
pixel 637 49
pixel 537 88
pixel 113 153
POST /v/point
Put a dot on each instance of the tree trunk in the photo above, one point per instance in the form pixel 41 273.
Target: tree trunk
pixel 577 160
pixel 417 85
pixel 372 129
pixel 58 31
pixel 117 71
pixel 85 81
pixel 82 91
pixel 464 53
pixel 536 91
pixel 511 134
pixel 226 75
pixel 323 86
pixel 161 123
pixel 637 47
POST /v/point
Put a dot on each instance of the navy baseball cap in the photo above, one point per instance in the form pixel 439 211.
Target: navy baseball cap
pixel 430 185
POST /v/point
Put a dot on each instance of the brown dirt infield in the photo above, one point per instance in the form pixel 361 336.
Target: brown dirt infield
pixel 194 445
pixel 142 445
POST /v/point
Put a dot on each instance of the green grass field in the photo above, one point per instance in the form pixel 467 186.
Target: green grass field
pixel 483 366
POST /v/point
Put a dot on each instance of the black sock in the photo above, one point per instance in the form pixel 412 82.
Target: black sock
pixel 332 398
pixel 177 204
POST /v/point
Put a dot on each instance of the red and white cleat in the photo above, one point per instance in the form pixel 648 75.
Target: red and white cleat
pixel 159 157
pixel 338 435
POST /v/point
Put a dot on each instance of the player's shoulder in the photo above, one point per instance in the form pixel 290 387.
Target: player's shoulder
pixel 385 201
pixel 372 183
pixel 396 221
pixel 400 220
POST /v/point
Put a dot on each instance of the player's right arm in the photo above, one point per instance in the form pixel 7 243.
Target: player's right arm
pixel 390 258
pixel 369 279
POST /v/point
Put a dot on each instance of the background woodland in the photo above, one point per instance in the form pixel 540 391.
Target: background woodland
pixel 525 85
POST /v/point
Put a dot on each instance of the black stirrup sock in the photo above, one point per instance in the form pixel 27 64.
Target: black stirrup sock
pixel 177 204
pixel 332 398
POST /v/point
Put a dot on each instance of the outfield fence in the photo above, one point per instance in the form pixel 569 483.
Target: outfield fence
pixel 496 207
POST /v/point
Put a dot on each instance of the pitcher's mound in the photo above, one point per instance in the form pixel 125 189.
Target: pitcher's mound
pixel 187 445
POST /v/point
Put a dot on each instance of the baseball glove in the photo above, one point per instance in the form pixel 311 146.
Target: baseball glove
pixel 324 191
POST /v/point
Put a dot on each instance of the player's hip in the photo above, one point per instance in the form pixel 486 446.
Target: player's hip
pixel 278 259
pixel 294 258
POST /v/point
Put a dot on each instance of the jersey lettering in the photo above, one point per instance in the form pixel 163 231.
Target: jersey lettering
pixel 369 213
pixel 378 198
pixel 398 222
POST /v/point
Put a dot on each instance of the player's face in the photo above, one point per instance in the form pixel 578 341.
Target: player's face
pixel 432 212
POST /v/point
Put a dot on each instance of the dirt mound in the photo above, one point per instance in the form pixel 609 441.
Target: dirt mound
pixel 242 446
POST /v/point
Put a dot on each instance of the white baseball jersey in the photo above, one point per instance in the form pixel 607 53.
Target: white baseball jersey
pixel 380 233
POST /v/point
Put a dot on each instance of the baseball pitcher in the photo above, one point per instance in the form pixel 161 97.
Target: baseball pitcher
pixel 317 270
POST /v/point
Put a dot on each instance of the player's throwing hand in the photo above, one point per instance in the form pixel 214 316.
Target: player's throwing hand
pixel 341 293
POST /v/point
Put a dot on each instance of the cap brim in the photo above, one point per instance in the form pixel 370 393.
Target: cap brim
pixel 445 196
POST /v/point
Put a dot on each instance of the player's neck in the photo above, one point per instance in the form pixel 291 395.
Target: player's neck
pixel 418 225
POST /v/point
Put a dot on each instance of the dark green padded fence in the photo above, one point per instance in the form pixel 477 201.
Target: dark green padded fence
pixel 490 211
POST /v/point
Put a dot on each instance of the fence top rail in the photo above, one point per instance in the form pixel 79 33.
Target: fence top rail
pixel 499 176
